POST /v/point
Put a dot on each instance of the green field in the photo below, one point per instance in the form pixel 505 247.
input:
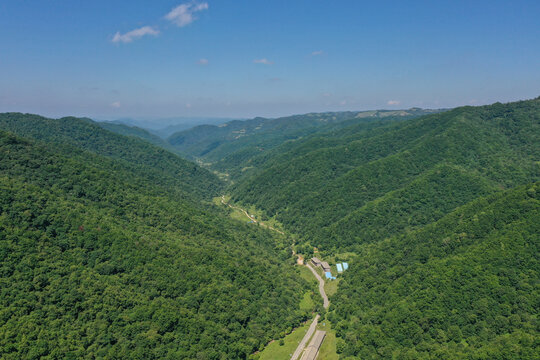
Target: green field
pixel 307 275
pixel 307 303
pixel 274 351
pixel 330 287
pixel 328 347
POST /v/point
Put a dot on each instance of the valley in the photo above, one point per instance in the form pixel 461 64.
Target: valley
pixel 437 215
pixel 302 344
pixel 269 180
pixel 408 199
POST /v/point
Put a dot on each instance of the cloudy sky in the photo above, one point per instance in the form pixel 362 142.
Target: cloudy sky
pixel 109 59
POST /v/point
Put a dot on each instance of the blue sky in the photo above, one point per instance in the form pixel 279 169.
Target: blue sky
pixel 244 58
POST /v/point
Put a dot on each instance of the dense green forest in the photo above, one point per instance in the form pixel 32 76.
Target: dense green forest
pixel 465 287
pixel 439 217
pixel 134 154
pixel 359 185
pixel 236 147
pixel 111 248
pixel 98 260
pixel 137 132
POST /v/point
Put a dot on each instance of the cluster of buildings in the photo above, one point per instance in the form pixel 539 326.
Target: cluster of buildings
pixel 341 267
pixel 323 264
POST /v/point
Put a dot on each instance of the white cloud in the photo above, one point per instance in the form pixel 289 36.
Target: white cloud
pixel 343 102
pixel 315 53
pixel 393 102
pixel 116 104
pixel 263 61
pixel 134 34
pixel 182 15
pixel 202 62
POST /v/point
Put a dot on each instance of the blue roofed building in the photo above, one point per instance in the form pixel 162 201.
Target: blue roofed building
pixel 345 266
pixel 339 268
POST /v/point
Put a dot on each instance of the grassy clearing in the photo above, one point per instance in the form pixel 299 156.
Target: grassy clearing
pixel 238 214
pixel 307 303
pixel 274 351
pixel 260 216
pixel 331 286
pixel 307 275
pixel 328 347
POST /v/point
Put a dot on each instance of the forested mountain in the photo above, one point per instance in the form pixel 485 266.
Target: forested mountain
pixel 464 287
pixel 165 127
pixel 109 247
pixel 135 131
pixel 159 165
pixel 230 147
pixel 439 217
pixel 354 186
pixel 97 260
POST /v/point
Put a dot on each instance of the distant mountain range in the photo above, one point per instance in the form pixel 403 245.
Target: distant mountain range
pixel 230 146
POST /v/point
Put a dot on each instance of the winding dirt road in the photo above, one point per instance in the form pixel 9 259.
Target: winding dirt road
pixel 249 217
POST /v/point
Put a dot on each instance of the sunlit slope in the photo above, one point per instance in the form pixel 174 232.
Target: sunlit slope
pixel 465 286
pixel 232 147
pixel 434 163
pixel 135 131
pixel 96 261
pixel 160 165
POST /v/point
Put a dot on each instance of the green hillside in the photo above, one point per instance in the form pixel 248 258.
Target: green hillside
pixel 231 147
pixel 464 287
pixel 360 185
pixel 109 247
pixel 135 131
pixel 98 261
pixel 159 165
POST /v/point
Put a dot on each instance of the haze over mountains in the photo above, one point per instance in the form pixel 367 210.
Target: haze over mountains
pixel 269 180
pixel 111 245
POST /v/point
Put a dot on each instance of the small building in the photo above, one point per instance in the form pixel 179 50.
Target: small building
pixel 315 261
pixel 328 275
pixel 339 268
pixel 345 266
pixel 325 266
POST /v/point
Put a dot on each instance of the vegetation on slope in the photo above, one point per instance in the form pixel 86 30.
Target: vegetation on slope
pixel 463 287
pixel 137 132
pixel 232 147
pixel 159 165
pixel 98 261
pixel 368 185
